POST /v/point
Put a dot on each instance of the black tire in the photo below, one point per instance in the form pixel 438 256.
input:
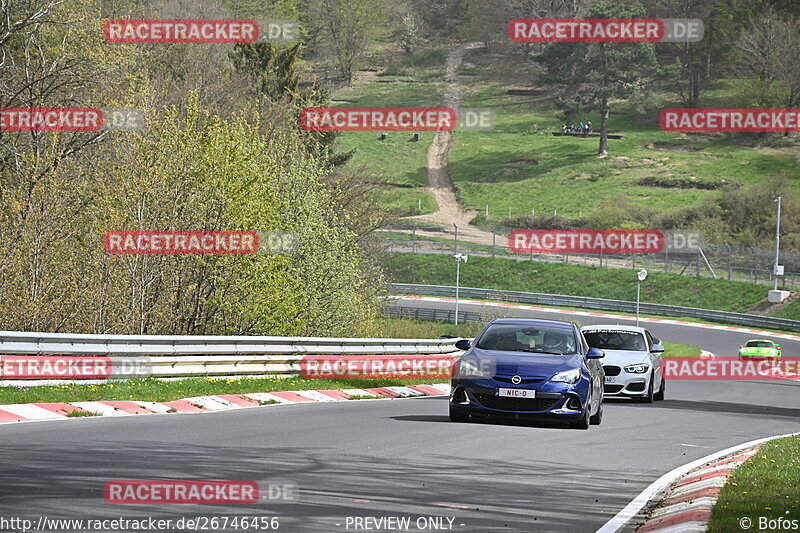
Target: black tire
pixel 660 394
pixel 583 422
pixel 598 416
pixel 650 395
pixel 458 417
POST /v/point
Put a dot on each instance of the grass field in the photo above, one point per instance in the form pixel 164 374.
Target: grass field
pixel 763 488
pixel 791 311
pixel 575 280
pixel 674 349
pixel 520 166
pixel 396 163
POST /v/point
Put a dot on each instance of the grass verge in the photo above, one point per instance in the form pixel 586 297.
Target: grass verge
pixel 576 280
pixel 762 489
pixel 153 390
pixel 674 349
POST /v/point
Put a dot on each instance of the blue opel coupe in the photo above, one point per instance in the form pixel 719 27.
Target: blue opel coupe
pixel 518 368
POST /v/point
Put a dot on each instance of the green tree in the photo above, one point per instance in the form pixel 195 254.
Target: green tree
pixel 346 29
pixel 587 76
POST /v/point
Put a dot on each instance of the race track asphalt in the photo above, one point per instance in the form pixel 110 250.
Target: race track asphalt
pixel 395 457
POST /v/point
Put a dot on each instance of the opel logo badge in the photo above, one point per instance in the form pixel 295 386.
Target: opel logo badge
pixel 516 380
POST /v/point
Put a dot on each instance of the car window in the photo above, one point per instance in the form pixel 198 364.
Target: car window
pixel 616 339
pixel 527 339
pixel 759 344
pixel 650 341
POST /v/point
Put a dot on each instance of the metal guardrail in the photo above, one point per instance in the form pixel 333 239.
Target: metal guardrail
pixel 603 304
pixel 444 315
pixel 179 356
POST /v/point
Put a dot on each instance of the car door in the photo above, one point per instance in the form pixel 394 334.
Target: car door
pixel 596 371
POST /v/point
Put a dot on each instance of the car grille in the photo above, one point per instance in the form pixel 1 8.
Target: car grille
pixel 612 389
pixel 507 379
pixel 612 370
pixel 516 404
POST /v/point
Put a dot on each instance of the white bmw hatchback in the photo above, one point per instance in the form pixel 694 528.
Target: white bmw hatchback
pixel 632 363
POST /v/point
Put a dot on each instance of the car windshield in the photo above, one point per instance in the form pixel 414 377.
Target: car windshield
pixel 616 339
pixel 759 344
pixel 522 338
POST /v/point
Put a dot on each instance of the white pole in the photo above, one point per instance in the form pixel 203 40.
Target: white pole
pixel 487 211
pixel 777 243
pixel 638 287
pixel 458 270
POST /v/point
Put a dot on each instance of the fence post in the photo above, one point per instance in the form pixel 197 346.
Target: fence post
pixel 730 261
pixel 414 239
pixel 494 235
pixel 697 264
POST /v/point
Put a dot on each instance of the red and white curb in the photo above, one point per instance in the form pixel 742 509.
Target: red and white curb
pixel 682 500
pixel 688 503
pixel 504 305
pixel 29 412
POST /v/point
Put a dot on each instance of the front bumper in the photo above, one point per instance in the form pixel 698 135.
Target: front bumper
pixel 760 357
pixel 626 384
pixel 553 401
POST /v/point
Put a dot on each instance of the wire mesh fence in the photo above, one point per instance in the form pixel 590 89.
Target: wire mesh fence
pixel 735 263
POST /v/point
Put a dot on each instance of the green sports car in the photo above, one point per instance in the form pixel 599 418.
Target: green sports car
pixel 759 349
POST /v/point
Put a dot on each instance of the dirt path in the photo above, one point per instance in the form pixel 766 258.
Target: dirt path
pixel 440 186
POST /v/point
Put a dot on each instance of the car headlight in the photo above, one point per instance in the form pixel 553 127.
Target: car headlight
pixel 569 376
pixel 470 370
pixel 637 369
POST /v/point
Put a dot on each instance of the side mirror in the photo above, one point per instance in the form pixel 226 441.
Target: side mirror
pixel 656 340
pixel 657 348
pixel 463 344
pixel 595 353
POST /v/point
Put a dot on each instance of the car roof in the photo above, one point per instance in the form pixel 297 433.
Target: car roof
pixel 613 326
pixel 533 322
